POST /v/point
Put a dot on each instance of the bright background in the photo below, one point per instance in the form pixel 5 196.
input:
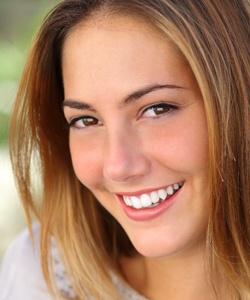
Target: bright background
pixel 19 19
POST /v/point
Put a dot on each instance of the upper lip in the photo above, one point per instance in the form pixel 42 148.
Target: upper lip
pixel 144 191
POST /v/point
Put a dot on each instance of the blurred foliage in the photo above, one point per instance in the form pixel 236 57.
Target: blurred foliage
pixel 4 127
pixel 19 19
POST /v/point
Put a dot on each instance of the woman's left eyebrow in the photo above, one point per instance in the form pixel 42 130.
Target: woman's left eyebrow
pixel 140 93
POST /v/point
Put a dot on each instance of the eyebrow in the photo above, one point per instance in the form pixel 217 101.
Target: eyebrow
pixel 76 104
pixel 140 93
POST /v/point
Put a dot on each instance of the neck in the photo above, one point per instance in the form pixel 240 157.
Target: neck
pixel 183 276
pixel 178 278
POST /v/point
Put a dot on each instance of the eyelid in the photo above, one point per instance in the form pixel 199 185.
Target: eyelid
pixel 73 121
pixel 160 104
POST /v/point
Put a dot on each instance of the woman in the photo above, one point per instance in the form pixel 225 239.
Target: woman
pixel 136 114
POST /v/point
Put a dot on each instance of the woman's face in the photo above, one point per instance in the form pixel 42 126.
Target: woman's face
pixel 138 134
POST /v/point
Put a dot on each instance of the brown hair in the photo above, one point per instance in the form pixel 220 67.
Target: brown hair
pixel 214 37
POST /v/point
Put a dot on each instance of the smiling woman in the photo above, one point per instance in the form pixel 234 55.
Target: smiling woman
pixel 141 130
pixel 147 180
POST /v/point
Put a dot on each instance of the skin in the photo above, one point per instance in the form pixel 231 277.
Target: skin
pixel 127 148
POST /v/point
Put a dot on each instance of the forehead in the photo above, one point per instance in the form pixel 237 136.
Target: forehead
pixel 88 31
pixel 120 55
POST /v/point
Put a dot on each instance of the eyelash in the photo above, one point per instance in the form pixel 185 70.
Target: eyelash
pixel 163 106
pixel 73 122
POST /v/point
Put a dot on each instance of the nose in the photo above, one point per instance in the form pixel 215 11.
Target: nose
pixel 125 159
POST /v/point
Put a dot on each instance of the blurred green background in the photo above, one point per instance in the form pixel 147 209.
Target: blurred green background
pixel 19 20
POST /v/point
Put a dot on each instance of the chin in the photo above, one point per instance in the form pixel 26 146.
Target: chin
pixel 164 247
pixel 153 248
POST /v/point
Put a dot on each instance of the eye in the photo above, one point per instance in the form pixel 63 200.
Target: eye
pixel 83 122
pixel 158 109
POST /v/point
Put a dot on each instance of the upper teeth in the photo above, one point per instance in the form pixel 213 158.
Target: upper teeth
pixel 153 198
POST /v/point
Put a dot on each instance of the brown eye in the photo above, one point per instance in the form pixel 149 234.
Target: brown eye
pixel 82 122
pixel 158 109
pixel 88 121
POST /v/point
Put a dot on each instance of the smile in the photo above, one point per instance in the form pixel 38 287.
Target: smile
pixel 152 199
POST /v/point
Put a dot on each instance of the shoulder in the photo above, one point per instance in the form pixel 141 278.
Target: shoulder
pixel 21 275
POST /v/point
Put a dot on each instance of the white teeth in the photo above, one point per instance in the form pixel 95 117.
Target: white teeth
pixel 127 200
pixel 170 190
pixel 145 200
pixel 162 194
pixel 176 186
pixel 136 203
pixel 152 199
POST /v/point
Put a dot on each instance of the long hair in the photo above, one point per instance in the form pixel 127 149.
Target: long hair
pixel 214 38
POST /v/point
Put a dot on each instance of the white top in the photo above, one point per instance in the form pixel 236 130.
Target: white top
pixel 21 276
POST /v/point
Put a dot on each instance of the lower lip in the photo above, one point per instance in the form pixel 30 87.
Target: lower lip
pixel 145 214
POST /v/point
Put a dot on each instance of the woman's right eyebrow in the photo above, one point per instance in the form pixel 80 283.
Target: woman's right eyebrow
pixel 77 104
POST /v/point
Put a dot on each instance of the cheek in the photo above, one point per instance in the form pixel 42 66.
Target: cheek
pixel 87 156
pixel 182 146
pixel 190 149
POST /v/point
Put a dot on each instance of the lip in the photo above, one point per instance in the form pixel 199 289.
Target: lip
pixel 145 214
